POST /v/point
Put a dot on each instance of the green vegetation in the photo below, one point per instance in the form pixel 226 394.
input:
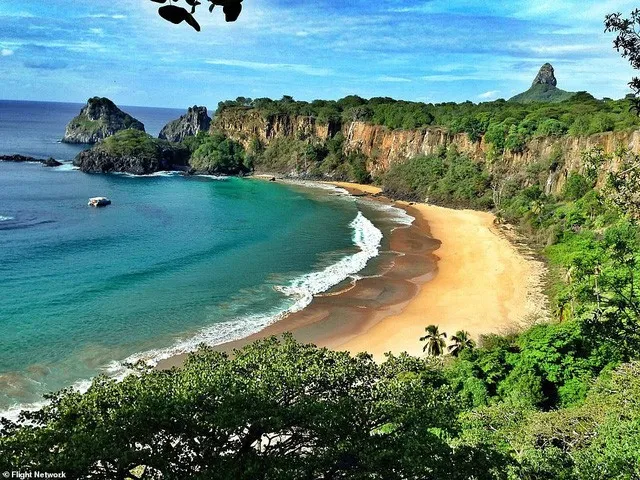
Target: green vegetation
pixel 542 93
pixel 446 178
pixel 217 154
pixel 313 157
pixel 135 143
pixel 276 410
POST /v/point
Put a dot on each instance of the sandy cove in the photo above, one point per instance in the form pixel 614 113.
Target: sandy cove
pixel 483 284
pixel 453 268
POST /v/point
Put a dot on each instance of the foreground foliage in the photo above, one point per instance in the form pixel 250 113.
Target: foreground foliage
pixel 277 410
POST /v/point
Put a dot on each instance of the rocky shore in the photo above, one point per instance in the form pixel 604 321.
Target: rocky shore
pixel 134 152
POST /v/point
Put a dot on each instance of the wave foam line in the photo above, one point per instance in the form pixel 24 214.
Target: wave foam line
pixel 5 219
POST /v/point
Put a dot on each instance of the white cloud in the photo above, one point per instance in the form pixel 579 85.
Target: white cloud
pixel 489 95
pixel 97 31
pixel 449 78
pixel 5 52
pixel 390 79
pixel 104 15
pixel 292 67
pixel 559 49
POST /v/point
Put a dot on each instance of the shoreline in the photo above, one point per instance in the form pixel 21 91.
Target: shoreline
pixel 485 284
pixel 452 268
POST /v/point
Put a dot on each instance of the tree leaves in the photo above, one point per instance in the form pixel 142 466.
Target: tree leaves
pixel 232 11
pixel 176 15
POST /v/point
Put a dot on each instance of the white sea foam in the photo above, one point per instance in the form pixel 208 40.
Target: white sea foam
pixel 5 218
pixel 214 177
pixel 171 173
pixel 318 185
pixel 65 167
pixel 399 215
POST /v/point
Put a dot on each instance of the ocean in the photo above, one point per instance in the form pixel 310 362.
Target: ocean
pixel 174 261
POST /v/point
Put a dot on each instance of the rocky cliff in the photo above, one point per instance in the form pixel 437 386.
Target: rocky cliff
pixel 99 119
pixel 244 125
pixel 383 146
pixel 194 121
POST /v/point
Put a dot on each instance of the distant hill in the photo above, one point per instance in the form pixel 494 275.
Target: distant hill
pixel 543 89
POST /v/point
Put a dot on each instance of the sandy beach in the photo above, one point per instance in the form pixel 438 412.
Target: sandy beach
pixel 484 284
pixel 452 268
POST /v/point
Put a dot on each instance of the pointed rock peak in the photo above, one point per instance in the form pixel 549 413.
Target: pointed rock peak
pixel 194 121
pixel 545 76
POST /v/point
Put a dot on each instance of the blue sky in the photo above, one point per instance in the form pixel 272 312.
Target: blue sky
pixel 426 50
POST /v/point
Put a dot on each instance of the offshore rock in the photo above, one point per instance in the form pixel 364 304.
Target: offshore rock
pixel 194 121
pixel 99 119
pixel 47 162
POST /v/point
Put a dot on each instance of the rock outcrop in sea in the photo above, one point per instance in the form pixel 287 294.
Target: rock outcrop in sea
pixel 135 152
pixel 194 121
pixel 47 162
pixel 99 119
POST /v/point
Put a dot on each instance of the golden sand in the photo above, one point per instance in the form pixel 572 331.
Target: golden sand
pixel 483 285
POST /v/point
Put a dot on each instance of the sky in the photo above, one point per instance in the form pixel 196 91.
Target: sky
pixel 421 50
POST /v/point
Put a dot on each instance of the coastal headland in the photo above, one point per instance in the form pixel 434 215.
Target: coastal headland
pixel 452 268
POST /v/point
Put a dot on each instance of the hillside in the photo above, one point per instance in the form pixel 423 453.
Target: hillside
pixel 543 89
pixel 542 93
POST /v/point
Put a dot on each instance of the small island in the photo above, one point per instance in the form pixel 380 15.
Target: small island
pixel 133 151
pixel 47 162
pixel 99 119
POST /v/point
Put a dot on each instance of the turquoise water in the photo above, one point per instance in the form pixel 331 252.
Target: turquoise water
pixel 173 262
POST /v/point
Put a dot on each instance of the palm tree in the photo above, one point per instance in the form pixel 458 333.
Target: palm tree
pixel 435 343
pixel 461 341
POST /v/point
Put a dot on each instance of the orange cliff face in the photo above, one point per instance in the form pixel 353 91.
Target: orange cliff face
pixel 383 146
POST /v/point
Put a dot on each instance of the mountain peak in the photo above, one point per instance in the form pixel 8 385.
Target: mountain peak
pixel 545 76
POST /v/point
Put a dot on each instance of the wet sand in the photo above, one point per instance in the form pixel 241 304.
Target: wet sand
pixel 452 268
